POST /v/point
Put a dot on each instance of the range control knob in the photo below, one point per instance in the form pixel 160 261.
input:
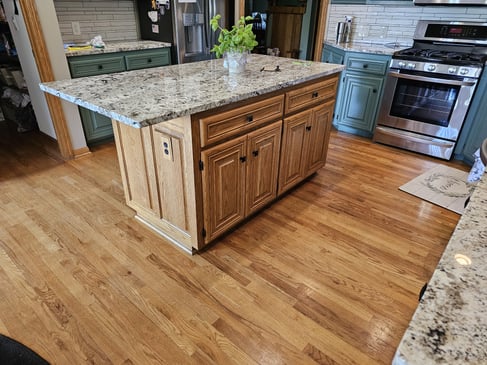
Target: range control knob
pixel 411 66
pixel 401 64
pixel 463 71
pixel 431 67
pixel 452 70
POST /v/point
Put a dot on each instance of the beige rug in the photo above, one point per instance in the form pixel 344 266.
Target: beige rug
pixel 444 186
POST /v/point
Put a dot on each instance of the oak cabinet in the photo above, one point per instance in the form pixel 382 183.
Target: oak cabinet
pixel 195 177
pixel 239 177
pixel 304 144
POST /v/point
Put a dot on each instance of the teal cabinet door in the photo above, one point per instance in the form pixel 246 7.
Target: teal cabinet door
pixel 332 55
pixel 360 96
pixel 97 127
pixel 474 130
pixel 360 92
pixel 147 59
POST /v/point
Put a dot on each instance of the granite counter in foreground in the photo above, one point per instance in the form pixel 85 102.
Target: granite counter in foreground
pixel 450 323
pixel 149 96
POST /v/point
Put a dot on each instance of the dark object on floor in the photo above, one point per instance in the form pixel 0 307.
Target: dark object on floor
pixel 14 353
pixel 423 289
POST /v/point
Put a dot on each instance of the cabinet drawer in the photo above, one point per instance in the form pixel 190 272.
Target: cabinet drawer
pixel 307 96
pixel 89 66
pixel 219 126
pixel 366 65
pixel 147 59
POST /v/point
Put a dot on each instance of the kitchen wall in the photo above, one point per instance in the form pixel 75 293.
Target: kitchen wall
pixel 114 20
pixel 394 22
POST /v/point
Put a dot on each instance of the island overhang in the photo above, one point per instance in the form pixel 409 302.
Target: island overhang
pixel 150 96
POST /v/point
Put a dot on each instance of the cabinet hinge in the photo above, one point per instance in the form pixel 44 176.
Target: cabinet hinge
pixel 203 233
pixel 202 166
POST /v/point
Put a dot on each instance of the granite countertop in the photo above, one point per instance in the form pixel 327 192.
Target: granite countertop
pixel 149 96
pixel 450 323
pixel 121 46
pixel 369 47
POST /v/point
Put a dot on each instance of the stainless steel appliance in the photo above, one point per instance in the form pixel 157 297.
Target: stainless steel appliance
pixel 450 2
pixel 429 87
pixel 185 24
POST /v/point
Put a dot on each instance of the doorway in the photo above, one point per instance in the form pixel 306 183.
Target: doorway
pixel 289 28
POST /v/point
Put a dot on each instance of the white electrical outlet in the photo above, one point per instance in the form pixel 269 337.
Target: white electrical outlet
pixel 76 28
pixel 166 147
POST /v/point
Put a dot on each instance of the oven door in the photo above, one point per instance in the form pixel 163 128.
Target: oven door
pixel 435 105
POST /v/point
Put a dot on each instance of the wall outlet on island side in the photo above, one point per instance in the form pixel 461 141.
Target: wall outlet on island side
pixel 166 147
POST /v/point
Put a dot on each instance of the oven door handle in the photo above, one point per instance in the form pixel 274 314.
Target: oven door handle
pixel 432 79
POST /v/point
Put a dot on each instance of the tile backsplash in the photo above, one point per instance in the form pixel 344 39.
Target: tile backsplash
pixel 394 22
pixel 114 20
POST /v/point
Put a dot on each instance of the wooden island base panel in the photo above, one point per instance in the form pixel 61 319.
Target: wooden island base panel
pixel 201 150
pixel 195 177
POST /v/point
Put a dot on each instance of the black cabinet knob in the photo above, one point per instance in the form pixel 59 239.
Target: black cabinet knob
pixel 100 67
pixel 243 158
pixel 255 153
pixel 149 60
pixel 315 94
pixel 365 66
pixel 250 118
pixel 308 128
pixel 374 91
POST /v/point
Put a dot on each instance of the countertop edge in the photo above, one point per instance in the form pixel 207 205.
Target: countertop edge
pixel 197 107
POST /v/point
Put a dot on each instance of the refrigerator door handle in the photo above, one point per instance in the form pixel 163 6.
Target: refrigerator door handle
pixel 207 26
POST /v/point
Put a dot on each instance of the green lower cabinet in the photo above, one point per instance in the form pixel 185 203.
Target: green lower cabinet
pixel 332 55
pixel 360 92
pixel 360 99
pixel 474 129
pixel 97 127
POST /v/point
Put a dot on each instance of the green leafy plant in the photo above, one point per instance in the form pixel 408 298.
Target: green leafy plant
pixel 239 39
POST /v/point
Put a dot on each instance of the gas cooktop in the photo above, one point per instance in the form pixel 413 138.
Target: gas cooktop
pixel 441 56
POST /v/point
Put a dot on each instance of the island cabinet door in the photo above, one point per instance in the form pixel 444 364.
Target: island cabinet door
pixel 263 163
pixel 318 133
pixel 223 183
pixel 293 151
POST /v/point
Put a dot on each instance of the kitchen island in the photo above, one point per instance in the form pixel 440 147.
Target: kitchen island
pixel 201 150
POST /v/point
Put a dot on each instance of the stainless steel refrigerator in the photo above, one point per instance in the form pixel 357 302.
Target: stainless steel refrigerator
pixel 185 24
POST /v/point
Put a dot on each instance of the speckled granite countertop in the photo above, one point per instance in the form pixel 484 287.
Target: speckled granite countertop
pixel 111 47
pixel 450 323
pixel 369 47
pixel 149 96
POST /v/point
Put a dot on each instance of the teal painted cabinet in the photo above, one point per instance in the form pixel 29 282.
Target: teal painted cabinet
pixel 98 127
pixel 360 89
pixel 474 129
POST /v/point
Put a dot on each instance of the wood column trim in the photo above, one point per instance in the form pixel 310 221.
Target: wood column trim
pixel 43 62
pixel 320 30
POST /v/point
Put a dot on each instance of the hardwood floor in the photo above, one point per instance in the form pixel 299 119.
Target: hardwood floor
pixel 328 275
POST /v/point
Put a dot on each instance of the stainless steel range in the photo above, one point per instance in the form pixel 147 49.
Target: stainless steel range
pixel 429 87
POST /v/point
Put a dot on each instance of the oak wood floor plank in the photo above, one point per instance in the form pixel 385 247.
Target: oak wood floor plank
pixel 329 274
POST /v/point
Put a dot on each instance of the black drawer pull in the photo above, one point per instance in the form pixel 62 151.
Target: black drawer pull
pixel 308 128
pixel 255 153
pixel 315 94
pixel 250 118
pixel 243 158
pixel 365 66
pixel 149 60
pixel 100 67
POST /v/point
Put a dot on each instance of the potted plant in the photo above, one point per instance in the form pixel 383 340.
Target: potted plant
pixel 234 43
